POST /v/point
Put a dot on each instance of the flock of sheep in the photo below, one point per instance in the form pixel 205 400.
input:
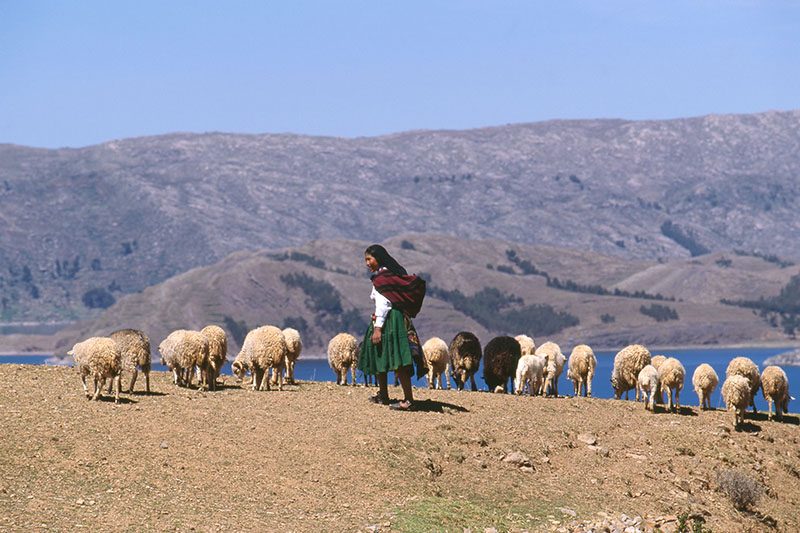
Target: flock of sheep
pixel 268 349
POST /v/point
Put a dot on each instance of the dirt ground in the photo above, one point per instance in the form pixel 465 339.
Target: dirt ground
pixel 319 457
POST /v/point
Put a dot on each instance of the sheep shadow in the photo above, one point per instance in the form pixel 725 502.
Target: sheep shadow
pixel 110 399
pixel 145 393
pixel 748 427
pixel 433 406
pixel 763 416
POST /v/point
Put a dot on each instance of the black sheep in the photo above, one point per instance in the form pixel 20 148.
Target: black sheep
pixel 465 358
pixel 500 358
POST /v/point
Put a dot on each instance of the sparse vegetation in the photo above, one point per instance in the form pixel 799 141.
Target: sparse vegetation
pixel 605 318
pixel 661 313
pixel 405 245
pixel 769 258
pixel 782 310
pixel 740 488
pixel 687 240
pixel 98 298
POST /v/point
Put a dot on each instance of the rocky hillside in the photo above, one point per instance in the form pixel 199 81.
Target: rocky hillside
pixel 490 287
pixel 83 227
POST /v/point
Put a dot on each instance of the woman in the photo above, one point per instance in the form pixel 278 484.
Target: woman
pixel 391 342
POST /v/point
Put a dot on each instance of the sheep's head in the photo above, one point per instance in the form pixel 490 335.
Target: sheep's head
pixel 617 388
pixel 239 370
pixel 460 377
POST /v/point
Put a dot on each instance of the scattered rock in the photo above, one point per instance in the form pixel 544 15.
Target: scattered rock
pixel 587 438
pixel 520 460
pixel 164 445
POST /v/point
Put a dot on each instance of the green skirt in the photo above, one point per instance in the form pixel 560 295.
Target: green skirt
pixel 393 352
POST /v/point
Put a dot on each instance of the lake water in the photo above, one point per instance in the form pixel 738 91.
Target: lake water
pixel 308 369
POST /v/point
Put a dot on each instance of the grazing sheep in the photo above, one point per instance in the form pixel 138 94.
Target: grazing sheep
pixel 627 364
pixel 704 381
pixel 135 348
pixel 217 351
pixel 465 358
pixel 775 387
pixel 435 352
pixel 580 371
pixel 101 358
pixel 293 348
pixel 736 393
pixel 554 362
pixel 529 372
pixel 181 352
pixel 648 383
pixel 343 355
pixel 500 358
pixel 671 375
pixel 527 345
pixel 743 366
pixel 264 348
pixel 656 361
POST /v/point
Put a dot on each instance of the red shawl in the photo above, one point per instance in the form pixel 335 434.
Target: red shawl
pixel 405 292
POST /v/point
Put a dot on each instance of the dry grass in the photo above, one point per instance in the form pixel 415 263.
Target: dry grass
pixel 320 457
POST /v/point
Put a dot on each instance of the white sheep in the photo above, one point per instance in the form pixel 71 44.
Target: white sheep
pixel 217 350
pixel 671 375
pixel 704 381
pixel 526 344
pixel 580 370
pixel 135 348
pixel 736 393
pixel 263 349
pixel 627 364
pixel 554 362
pixel 775 386
pixel 101 358
pixel 436 357
pixel 343 355
pixel 656 361
pixel 293 348
pixel 530 369
pixel 746 368
pixel 648 383
pixel 181 352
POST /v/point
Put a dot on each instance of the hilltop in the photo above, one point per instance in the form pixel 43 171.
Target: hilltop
pixel 320 457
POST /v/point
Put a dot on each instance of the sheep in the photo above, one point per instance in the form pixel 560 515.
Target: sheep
pixel 101 358
pixel 438 361
pixel 736 393
pixel 526 344
pixel 656 361
pixel 217 350
pixel 500 358
pixel 671 375
pixel 704 381
pixel 465 358
pixel 343 355
pixel 775 387
pixel 135 348
pixel 264 348
pixel 627 364
pixel 580 371
pixel 554 362
pixel 529 372
pixel 746 368
pixel 648 380
pixel 293 348
pixel 181 352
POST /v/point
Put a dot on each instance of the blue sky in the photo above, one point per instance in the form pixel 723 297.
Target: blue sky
pixel 76 73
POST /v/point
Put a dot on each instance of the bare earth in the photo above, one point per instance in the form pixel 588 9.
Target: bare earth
pixel 319 457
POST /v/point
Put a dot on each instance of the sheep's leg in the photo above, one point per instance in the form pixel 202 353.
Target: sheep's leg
pixel 118 380
pixel 589 384
pixel 472 381
pixel 258 374
pixel 97 386
pixel 769 404
pixel 353 373
pixel 677 399
pixel 133 378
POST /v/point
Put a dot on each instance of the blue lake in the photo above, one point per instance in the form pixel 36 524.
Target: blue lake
pixel 308 369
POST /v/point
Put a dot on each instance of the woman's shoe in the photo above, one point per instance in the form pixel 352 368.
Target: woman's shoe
pixel 403 405
pixel 377 399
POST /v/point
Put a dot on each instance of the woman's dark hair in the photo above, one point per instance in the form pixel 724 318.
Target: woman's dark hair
pixel 385 260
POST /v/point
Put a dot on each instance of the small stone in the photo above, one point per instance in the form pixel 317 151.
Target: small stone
pixel 164 445
pixel 79 502
pixel 587 438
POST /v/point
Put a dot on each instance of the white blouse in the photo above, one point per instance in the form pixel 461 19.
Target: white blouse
pixel 382 307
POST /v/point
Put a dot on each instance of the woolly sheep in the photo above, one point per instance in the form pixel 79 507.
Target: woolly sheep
pixel 435 352
pixel 704 381
pixel 648 380
pixel 217 350
pixel 775 387
pixel 746 368
pixel 529 372
pixel 465 358
pixel 580 370
pixel 554 362
pixel 736 393
pixel 264 348
pixel 293 348
pixel 527 345
pixel 343 355
pixel 656 361
pixel 671 375
pixel 500 358
pixel 135 348
pixel 101 358
pixel 627 364
pixel 181 352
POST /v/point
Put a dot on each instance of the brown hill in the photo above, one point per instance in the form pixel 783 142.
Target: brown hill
pixel 317 457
